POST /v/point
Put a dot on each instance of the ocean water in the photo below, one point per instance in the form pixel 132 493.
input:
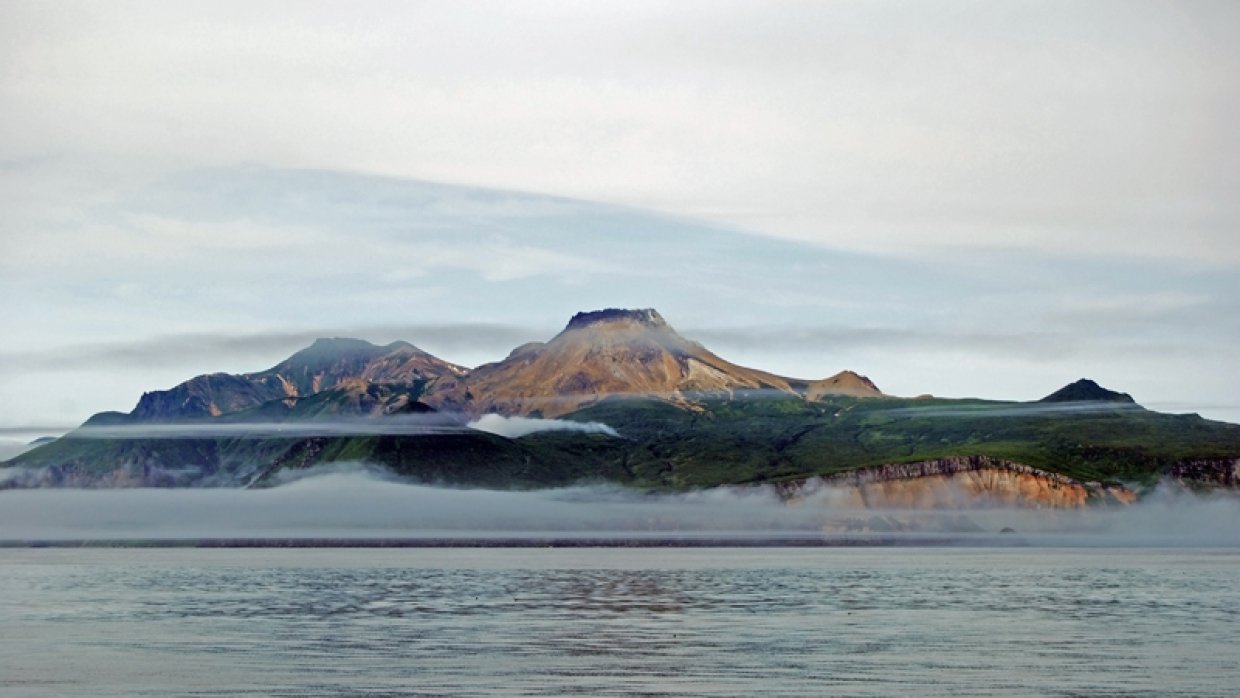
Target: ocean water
pixel 620 621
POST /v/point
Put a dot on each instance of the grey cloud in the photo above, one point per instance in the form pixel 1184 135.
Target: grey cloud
pixel 223 350
pixel 12 448
pixel 402 425
pixel 516 427
pixel 350 501
pixel 1030 346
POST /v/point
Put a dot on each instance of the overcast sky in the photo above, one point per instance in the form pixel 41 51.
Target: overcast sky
pixel 957 198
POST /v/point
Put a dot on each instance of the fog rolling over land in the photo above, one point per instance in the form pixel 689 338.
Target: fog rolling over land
pixel 616 348
pixel 354 501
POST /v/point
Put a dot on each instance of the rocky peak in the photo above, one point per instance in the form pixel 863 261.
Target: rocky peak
pixel 1085 390
pixel 599 354
pixel 331 348
pixel 848 383
pixel 645 316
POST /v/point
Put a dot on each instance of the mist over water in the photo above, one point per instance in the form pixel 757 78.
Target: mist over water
pixel 11 448
pixel 357 501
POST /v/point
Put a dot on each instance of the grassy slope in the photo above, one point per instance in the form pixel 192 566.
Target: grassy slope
pixel 776 439
pixel 750 440
pixel 470 458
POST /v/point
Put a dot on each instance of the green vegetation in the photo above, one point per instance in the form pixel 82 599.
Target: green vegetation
pixel 748 440
pixel 776 439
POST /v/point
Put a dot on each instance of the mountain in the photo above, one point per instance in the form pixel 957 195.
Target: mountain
pixel 842 383
pixel 607 353
pixel 324 365
pixel 684 416
pixel 1085 390
pixel 599 354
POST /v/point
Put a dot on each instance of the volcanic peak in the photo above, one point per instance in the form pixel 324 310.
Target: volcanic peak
pixel 1085 390
pixel 645 316
pixel 843 383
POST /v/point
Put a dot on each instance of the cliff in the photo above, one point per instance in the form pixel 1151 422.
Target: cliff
pixel 963 482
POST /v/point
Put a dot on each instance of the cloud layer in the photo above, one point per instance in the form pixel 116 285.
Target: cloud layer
pixel 1046 127
pixel 954 198
pixel 516 427
pixel 354 501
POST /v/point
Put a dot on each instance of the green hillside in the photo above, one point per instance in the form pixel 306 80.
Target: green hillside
pixel 753 439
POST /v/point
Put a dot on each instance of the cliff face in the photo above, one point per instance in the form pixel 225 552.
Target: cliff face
pixel 1219 472
pixel 975 482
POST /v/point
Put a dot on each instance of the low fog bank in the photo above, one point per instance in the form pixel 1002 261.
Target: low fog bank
pixel 362 502
pixel 402 425
pixel 12 448
pixel 516 427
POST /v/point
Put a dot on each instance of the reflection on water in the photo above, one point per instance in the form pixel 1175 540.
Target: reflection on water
pixel 615 622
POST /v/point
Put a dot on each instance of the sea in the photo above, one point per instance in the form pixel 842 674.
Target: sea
pixel 620 621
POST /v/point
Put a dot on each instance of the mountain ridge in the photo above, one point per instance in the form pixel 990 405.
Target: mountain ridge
pixel 1086 390
pixel 601 353
pixel 685 418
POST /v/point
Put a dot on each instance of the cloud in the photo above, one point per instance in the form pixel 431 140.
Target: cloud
pixel 1043 346
pixel 875 126
pixel 356 502
pixel 468 273
pixel 12 448
pixel 223 348
pixel 516 427
pixel 403 425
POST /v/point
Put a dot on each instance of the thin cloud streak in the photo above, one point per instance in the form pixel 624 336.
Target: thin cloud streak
pixel 1046 346
pixel 516 427
pixel 392 425
pixel 222 348
pixel 200 347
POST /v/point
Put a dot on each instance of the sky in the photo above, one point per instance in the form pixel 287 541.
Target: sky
pixel 954 198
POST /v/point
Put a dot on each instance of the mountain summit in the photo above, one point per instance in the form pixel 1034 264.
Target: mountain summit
pixel 603 353
pixel 646 316
pixel 600 353
pixel 1085 390
pixel 324 365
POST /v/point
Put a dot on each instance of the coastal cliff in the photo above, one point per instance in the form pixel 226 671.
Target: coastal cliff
pixel 962 482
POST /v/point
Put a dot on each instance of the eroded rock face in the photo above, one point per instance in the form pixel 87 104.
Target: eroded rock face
pixel 1221 472
pixel 975 482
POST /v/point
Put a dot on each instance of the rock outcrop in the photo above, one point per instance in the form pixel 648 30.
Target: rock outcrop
pixel 1219 472
pixel 964 482
pixel 847 383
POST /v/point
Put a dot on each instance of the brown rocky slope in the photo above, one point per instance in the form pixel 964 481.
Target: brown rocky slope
pixel 620 352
